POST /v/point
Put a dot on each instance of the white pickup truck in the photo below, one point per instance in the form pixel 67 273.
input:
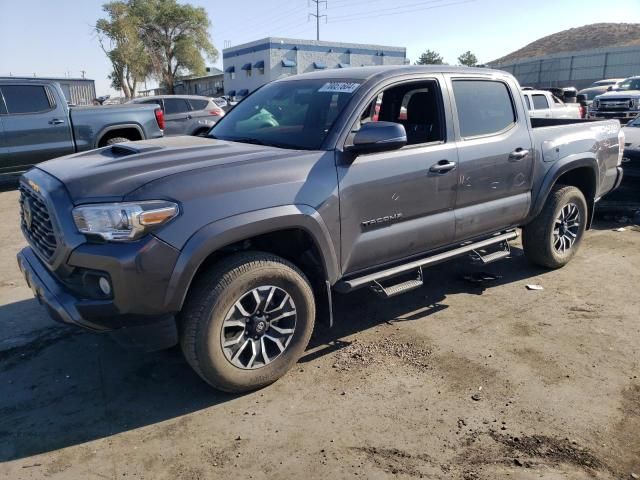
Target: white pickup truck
pixel 542 104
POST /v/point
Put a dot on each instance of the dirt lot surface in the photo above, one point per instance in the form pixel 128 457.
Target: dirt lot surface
pixel 452 381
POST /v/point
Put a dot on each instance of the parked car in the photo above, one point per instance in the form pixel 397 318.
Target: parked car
pixel 220 101
pixel 599 87
pixel 185 114
pixel 228 244
pixel 622 103
pixel 36 124
pixel 627 196
pixel 542 104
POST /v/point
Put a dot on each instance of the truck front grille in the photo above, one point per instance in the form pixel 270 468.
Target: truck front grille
pixel 619 104
pixel 35 222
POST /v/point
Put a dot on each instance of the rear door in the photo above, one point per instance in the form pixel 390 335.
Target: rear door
pixel 36 126
pixel 177 116
pixel 495 157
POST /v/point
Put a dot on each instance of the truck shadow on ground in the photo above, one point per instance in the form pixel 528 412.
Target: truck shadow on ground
pixel 62 387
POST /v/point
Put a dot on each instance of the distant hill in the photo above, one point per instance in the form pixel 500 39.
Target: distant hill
pixel 597 35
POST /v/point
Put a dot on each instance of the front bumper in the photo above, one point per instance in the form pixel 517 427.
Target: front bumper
pixel 68 306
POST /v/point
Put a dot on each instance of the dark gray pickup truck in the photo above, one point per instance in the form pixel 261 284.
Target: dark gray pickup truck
pixel 37 125
pixel 315 184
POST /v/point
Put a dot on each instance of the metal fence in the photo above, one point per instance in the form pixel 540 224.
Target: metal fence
pixel 577 69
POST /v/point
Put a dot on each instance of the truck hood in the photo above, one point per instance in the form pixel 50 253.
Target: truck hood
pixel 620 94
pixel 110 173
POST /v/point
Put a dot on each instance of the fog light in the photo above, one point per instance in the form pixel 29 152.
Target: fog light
pixel 104 285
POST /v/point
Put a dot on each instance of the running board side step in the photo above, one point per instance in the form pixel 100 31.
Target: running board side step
pixel 388 291
pixel 374 279
pixel 481 255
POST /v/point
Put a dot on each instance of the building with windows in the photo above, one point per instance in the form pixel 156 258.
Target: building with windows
pixel 209 85
pixel 251 65
pixel 78 91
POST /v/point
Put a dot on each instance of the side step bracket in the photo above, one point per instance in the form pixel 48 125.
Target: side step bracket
pixel 398 288
pixel 374 279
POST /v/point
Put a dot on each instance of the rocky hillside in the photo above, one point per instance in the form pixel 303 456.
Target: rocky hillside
pixel 597 35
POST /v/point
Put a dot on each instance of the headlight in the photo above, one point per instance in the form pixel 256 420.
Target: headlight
pixel 635 103
pixel 596 104
pixel 121 222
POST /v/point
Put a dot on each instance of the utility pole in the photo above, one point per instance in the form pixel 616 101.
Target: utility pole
pixel 83 72
pixel 318 16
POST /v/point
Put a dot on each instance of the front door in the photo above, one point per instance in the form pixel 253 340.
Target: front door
pixel 36 127
pixel 495 153
pixel 397 204
pixel 177 116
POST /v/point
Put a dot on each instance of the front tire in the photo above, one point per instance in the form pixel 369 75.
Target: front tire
pixel 554 236
pixel 247 321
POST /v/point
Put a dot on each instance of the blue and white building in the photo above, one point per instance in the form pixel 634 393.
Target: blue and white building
pixel 250 65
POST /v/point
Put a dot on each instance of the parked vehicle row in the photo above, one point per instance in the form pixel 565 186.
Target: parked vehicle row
pixel 313 184
pixel 185 114
pixel 622 103
pixel 36 124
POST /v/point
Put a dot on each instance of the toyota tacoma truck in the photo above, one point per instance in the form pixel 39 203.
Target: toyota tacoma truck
pixel 316 184
pixel 36 124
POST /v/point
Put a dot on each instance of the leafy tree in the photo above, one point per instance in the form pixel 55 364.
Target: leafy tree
pixel 175 36
pixel 468 59
pixel 119 39
pixel 430 57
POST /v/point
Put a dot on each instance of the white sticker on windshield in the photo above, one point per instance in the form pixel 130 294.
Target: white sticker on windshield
pixel 339 87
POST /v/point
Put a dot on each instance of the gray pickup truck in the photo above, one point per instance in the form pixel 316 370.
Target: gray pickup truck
pixel 319 183
pixel 37 125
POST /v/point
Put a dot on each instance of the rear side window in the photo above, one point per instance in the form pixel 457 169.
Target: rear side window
pixel 198 104
pixel 484 107
pixel 26 99
pixel 3 109
pixel 540 102
pixel 175 105
pixel 526 100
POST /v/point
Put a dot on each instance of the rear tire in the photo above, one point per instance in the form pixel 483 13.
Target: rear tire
pixel 554 236
pixel 232 345
pixel 114 140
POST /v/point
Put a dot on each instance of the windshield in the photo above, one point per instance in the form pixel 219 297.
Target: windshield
pixel 630 84
pixel 291 114
pixel 635 122
pixel 603 83
pixel 590 94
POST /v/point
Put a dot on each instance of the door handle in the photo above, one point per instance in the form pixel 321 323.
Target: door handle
pixel 189 117
pixel 518 154
pixel 56 121
pixel 443 166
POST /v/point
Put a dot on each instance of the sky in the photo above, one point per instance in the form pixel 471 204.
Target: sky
pixel 55 38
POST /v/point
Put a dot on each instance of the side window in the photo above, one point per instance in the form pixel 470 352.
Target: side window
pixel 415 105
pixel 3 109
pixel 175 105
pixel 540 102
pixel 198 104
pixel 26 99
pixel 484 107
pixel 526 100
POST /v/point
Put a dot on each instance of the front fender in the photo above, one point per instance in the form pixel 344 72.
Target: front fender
pixel 559 168
pixel 227 231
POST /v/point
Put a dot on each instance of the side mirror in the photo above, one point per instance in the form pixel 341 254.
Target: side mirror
pixel 376 137
pixel 610 89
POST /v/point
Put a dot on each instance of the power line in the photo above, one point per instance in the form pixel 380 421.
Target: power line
pixel 385 13
pixel 318 16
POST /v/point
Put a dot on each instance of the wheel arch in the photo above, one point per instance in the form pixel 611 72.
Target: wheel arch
pixel 300 225
pixel 581 173
pixel 119 130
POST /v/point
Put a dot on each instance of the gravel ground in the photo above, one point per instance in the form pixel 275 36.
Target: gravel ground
pixel 456 380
